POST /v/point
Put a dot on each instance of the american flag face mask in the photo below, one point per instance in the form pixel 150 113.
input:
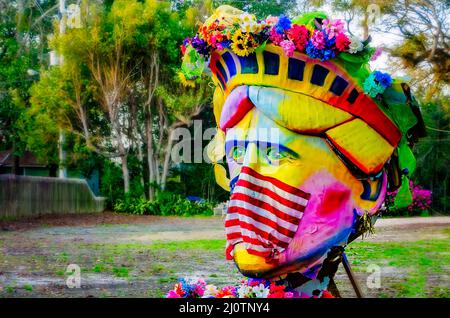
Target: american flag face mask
pixel 263 214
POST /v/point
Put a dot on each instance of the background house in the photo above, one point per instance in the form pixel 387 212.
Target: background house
pixel 29 165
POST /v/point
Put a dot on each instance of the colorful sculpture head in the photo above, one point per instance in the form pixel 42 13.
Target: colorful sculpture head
pixel 313 139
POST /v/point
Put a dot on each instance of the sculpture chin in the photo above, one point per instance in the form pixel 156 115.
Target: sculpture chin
pixel 252 265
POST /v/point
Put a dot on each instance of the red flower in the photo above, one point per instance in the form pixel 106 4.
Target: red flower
pixel 326 294
pixel 178 289
pixel 299 35
pixel 342 42
pixel 276 291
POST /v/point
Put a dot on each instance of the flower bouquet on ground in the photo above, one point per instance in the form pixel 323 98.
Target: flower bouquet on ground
pixel 250 288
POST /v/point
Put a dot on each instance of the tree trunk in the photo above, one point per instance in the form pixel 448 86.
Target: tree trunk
pixel 124 158
pixel 141 163
pixel 15 161
pixel 167 160
pixel 365 26
pixel 150 155
pixel 125 173
pixel 16 165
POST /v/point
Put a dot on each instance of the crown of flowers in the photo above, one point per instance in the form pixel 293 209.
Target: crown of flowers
pixel 323 40
pixel 312 34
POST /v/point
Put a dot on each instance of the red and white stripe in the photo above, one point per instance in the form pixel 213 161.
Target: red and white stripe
pixel 263 213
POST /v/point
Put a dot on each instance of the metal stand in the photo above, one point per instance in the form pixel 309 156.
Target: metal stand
pixel 332 288
pixel 351 276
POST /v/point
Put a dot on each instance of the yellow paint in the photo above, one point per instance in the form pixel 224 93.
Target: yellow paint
pixel 216 147
pixel 249 262
pixel 366 146
pixel 299 112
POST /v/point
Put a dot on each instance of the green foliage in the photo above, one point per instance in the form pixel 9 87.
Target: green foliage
pixel 111 185
pixel 261 8
pixel 120 271
pixel 165 204
pixel 432 153
pixel 22 48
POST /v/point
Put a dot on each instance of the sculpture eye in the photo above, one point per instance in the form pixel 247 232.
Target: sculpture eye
pixel 237 154
pixel 275 155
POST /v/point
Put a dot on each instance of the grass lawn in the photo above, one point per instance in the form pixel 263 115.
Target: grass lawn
pixel 408 269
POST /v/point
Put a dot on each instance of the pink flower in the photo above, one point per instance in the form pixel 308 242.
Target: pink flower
pixel 199 290
pixel 288 47
pixel 288 295
pixel 318 39
pixel 299 35
pixel 271 20
pixel 173 294
pixel 376 54
pixel 226 292
pixel 342 42
pixel 333 27
pixel 275 37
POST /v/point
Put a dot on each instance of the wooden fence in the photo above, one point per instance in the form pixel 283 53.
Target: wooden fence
pixel 31 196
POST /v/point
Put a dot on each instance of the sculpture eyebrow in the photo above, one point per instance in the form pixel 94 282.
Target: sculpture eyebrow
pixel 233 143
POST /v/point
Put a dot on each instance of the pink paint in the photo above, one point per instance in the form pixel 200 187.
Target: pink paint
pixel 236 106
pixel 328 214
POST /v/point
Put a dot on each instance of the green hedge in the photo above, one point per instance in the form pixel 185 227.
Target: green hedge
pixel 165 204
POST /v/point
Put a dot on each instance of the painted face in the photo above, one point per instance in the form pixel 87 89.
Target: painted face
pixel 292 198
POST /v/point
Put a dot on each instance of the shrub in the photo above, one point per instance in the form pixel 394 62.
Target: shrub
pixel 165 204
pixel 111 185
pixel 421 201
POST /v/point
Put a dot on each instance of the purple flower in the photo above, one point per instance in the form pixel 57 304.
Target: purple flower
pixel 200 46
pixel 186 41
pixel 284 23
pixel 376 54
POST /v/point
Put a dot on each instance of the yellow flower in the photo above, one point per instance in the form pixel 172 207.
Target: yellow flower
pixel 242 43
pixel 185 81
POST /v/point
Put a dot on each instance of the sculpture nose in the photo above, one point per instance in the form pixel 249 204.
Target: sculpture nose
pixel 251 158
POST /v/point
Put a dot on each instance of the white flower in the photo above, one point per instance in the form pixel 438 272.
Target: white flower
pixel 210 291
pixel 261 291
pixel 248 23
pixel 244 291
pixel 355 45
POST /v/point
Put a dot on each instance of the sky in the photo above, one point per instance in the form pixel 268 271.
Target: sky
pixel 378 39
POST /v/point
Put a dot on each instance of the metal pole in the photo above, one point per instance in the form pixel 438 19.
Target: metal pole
pixel 351 276
pixel 62 153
